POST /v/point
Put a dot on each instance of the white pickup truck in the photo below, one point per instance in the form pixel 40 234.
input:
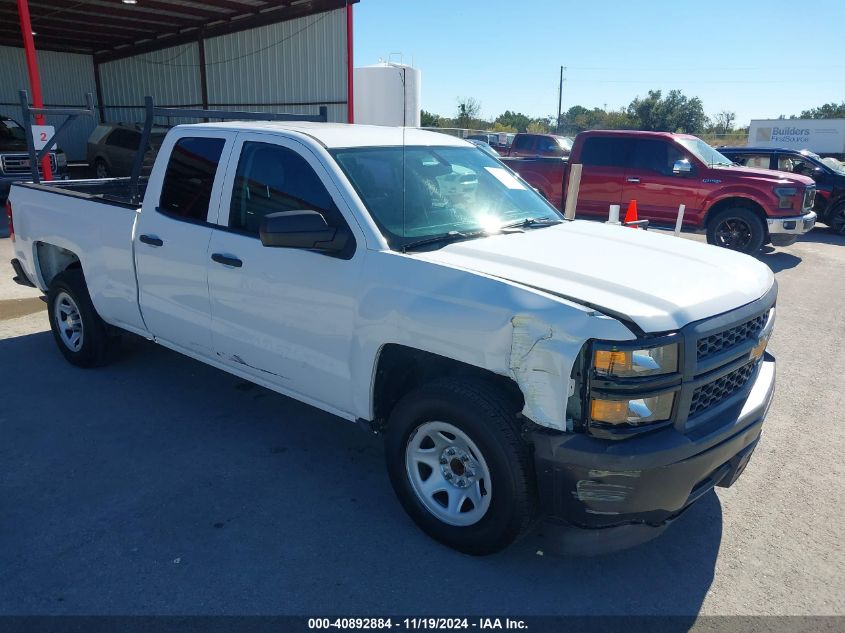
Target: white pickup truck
pixel 520 366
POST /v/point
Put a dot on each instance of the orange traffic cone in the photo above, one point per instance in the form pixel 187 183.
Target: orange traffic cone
pixel 631 214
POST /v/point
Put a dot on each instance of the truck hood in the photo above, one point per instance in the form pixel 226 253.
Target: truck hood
pixel 769 176
pixel 658 281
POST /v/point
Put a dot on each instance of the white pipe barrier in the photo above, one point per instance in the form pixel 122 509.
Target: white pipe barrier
pixel 613 216
pixel 680 220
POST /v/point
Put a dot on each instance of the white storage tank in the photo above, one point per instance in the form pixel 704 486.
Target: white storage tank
pixel 387 94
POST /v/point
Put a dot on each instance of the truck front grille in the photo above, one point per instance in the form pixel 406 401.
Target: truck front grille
pixel 717 391
pixel 721 341
pixel 13 164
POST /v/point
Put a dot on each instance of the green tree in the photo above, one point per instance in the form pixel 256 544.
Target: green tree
pixel 723 123
pixel 516 120
pixel 827 111
pixel 468 110
pixel 428 119
pixel 673 113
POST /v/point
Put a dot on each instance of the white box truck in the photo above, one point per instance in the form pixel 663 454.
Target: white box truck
pixel 822 136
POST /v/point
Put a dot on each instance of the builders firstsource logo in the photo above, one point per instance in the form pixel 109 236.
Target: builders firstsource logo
pixel 783 134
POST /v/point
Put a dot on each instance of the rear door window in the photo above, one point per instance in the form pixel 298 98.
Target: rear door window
pixel 608 152
pixel 186 192
pixel 125 139
pixel 756 161
pixel 523 143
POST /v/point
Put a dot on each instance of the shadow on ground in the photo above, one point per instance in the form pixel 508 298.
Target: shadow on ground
pixel 823 235
pixel 161 485
pixel 778 260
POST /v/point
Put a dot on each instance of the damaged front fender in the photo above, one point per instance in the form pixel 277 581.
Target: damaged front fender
pixel 541 360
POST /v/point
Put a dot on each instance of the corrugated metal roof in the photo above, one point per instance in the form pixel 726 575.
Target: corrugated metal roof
pixel 110 29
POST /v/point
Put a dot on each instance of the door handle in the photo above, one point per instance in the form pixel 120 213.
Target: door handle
pixel 226 260
pixel 633 179
pixel 152 240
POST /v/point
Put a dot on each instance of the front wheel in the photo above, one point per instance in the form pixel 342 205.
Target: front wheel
pixel 737 229
pixel 459 466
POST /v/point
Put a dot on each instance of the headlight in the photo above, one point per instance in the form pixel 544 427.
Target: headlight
pixel 633 412
pixel 634 363
pixel 785 195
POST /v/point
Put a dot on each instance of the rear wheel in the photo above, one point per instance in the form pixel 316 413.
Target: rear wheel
pixel 459 466
pixel 80 334
pixel 836 219
pixel 101 170
pixel 737 229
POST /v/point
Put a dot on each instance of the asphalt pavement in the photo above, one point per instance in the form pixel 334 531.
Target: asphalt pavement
pixel 159 485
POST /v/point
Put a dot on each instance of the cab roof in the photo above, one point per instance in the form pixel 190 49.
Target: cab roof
pixel 336 135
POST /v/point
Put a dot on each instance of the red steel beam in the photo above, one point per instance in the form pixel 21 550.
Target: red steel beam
pixel 350 69
pixel 34 77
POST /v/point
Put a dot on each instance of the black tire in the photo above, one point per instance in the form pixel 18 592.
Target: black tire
pixel 488 419
pixel 737 229
pixel 835 219
pixel 97 345
pixel 101 169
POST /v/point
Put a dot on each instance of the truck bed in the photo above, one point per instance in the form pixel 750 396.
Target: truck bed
pixel 115 191
pixel 94 221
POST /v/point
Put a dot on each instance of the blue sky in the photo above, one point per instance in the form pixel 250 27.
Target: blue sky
pixel 758 59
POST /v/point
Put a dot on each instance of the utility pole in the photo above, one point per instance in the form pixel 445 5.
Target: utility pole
pixel 559 100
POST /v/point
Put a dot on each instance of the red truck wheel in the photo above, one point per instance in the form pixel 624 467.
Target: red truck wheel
pixel 737 229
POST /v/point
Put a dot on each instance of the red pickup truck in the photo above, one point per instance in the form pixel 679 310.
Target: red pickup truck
pixel 740 208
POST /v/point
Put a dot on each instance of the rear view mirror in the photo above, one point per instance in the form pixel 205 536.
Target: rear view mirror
pixel 681 167
pixel 301 229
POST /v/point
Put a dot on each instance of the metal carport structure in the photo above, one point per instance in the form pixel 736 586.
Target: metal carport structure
pixel 291 56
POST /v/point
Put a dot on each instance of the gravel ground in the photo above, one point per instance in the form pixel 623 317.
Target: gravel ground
pixel 159 485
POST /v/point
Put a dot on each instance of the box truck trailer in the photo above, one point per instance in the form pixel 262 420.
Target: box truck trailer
pixel 822 136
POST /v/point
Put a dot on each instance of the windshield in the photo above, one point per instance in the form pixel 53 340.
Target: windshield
pixel 834 164
pixel 704 152
pixel 565 142
pixel 11 131
pixel 441 190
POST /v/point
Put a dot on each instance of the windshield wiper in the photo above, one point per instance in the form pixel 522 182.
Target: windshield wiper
pixel 445 238
pixel 532 222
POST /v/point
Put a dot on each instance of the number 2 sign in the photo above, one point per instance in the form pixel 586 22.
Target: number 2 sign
pixel 41 134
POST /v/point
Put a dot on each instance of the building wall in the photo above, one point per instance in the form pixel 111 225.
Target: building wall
pixel 293 66
pixel 65 78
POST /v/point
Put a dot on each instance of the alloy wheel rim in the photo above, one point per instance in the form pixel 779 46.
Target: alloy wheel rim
pixel 68 321
pixel 448 473
pixel 734 233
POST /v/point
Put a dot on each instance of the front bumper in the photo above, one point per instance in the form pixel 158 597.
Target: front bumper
pixel 604 495
pixel 784 231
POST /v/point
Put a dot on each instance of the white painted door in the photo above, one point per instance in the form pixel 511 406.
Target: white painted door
pixel 284 315
pixel 172 237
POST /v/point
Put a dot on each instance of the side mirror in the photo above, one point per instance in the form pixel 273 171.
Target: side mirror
pixel 681 167
pixel 301 229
